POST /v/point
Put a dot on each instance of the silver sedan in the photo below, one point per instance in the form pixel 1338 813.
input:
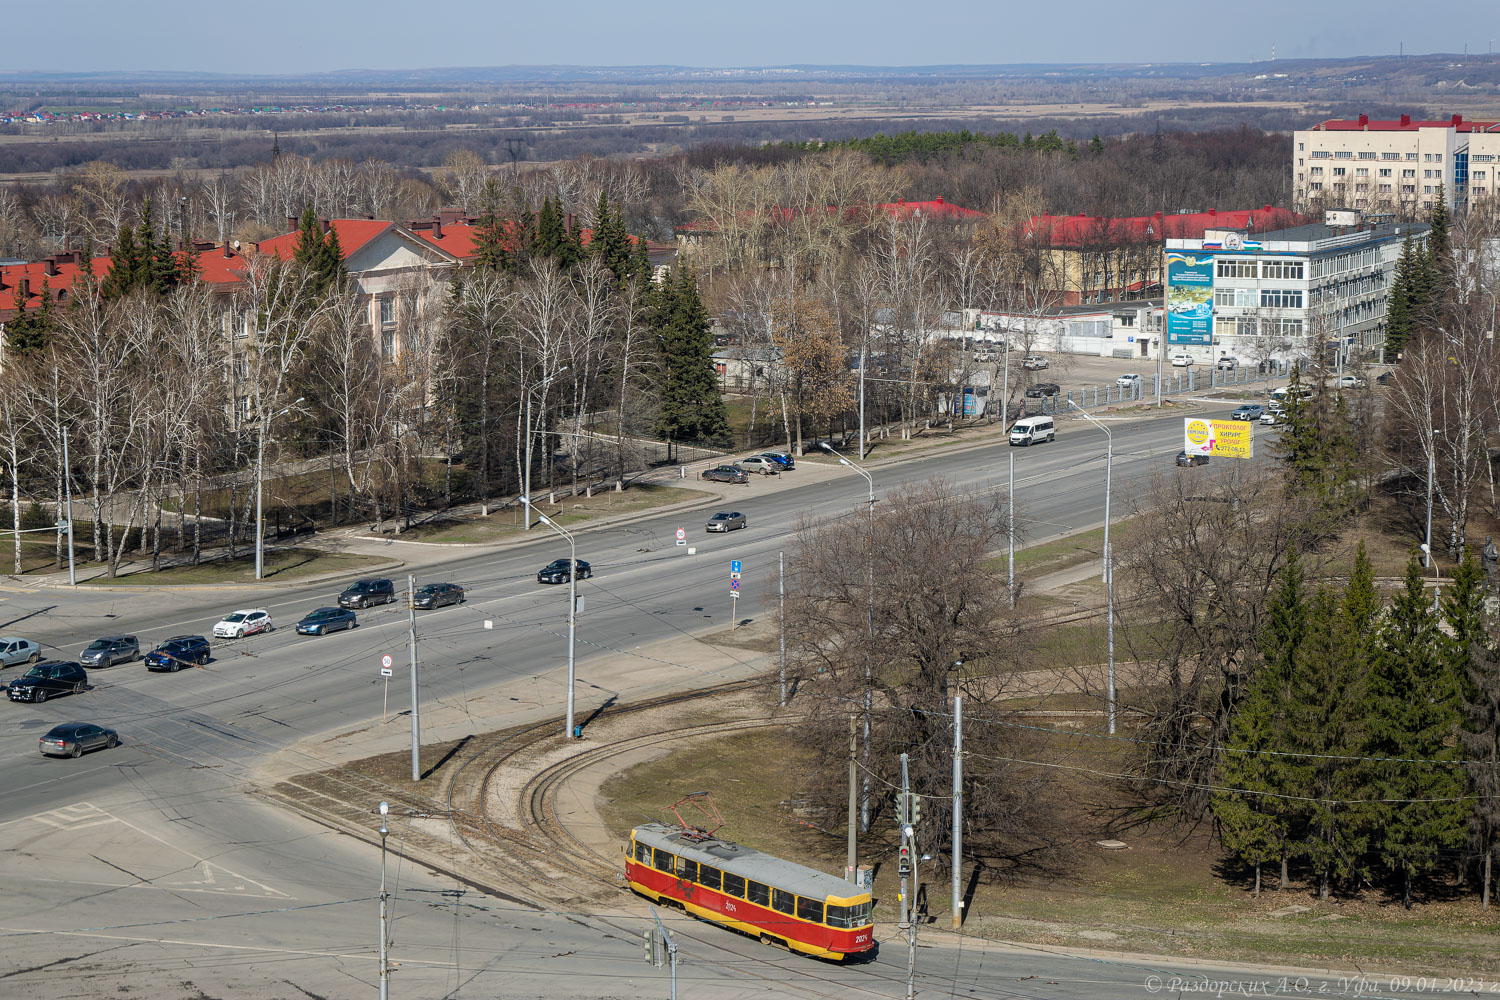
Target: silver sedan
pixel 726 521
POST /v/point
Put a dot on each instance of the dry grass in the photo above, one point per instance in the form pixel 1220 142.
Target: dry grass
pixel 500 525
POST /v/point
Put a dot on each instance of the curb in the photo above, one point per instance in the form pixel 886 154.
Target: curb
pixel 143 588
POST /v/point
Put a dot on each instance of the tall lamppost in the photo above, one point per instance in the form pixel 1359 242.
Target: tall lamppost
pixel 1109 572
pixel 526 475
pixel 384 936
pixel 572 608
pixel 67 519
pixel 864 803
pixel 260 478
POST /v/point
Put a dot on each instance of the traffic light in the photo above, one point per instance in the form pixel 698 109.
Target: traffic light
pixel 901 807
pixel 903 867
pixel 915 809
pixel 651 954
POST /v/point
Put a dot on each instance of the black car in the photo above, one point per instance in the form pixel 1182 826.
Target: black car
pixel 325 620
pixel 363 593
pixel 45 680
pixel 435 595
pixel 725 474
pixel 108 651
pixel 178 652
pixel 556 571
pixel 1385 378
pixel 72 739
pixel 1188 461
pixel 1040 389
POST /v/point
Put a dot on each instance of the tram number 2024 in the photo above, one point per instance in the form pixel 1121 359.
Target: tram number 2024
pixel 861 938
pixel 730 907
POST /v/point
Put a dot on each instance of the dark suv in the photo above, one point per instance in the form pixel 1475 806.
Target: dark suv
pixel 363 593
pixel 108 651
pixel 177 652
pixel 47 679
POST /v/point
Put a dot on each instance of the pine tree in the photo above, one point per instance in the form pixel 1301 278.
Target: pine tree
pixel 489 230
pixel 1096 146
pixel 30 330
pixel 691 407
pixel 1398 314
pixel 123 267
pixel 1440 237
pixel 319 252
pixel 549 230
pixel 1413 713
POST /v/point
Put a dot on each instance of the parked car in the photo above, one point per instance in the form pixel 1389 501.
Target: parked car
pixel 325 620
pixel 724 474
pixel 784 459
pixel 1034 363
pixel 1039 389
pixel 556 571
pixel 108 651
pixel 1188 461
pixel 755 463
pixel 435 595
pixel 1247 411
pixel 1126 381
pixel 363 593
pixel 1385 378
pixel 1227 363
pixel 177 652
pixel 726 522
pixel 17 650
pixel 46 680
pixel 1182 360
pixel 1349 382
pixel 238 624
pixel 984 358
pixel 73 739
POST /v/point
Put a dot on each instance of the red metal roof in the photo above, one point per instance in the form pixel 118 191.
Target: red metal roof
pixel 354 234
pixel 213 267
pixel 936 207
pixel 1071 231
pixel 1404 124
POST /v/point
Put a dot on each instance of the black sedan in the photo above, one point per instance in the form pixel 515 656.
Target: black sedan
pixel 73 739
pixel 325 620
pixel 556 571
pixel 725 474
pixel 178 652
pixel 1040 389
pixel 435 595
pixel 1188 461
pixel 48 679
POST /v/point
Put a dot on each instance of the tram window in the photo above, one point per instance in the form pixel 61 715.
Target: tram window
pixel 708 877
pixel 734 885
pixel 664 860
pixel 688 869
pixel 643 853
pixel 759 893
pixel 838 916
pixel 810 909
pixel 857 915
pixel 783 901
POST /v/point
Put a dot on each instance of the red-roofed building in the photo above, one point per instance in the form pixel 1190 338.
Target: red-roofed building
pixel 937 208
pixel 1085 258
pixel 1398 166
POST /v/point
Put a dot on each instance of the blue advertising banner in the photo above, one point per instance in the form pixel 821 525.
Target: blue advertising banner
pixel 1190 299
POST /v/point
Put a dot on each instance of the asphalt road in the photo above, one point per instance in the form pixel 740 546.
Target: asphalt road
pixel 149 868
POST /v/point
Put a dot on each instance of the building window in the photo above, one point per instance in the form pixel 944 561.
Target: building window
pixel 388 344
pixel 1301 146
pixel 1386 188
pixel 1408 173
pixel 1427 189
pixel 1385 172
pixel 1280 298
pixel 1244 326
pixel 1316 171
pixel 387 311
pixel 1366 154
pixel 1343 154
pixel 1315 187
pixel 1340 171
pixel 1426 157
pixel 1320 154
pixel 1411 156
pixel 1235 268
pixel 1282 269
pixel 1361 171
pixel 1390 156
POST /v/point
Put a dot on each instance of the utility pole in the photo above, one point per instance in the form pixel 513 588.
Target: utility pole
pixel 1431 471
pixel 781 617
pixel 911 928
pixel 1011 495
pixel 385 937
pixel 1108 574
pixel 654 946
pixel 852 868
pixel 958 810
pixel 906 831
pixel 68 493
pixel 411 637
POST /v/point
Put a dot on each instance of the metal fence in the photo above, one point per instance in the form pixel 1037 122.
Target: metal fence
pixel 1187 380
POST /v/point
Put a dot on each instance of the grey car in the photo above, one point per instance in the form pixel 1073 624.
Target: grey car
pixel 17 650
pixel 723 521
pixel 111 649
pixel 1249 411
pixel 73 739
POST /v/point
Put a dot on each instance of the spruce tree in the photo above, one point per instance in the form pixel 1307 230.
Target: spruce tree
pixel 1440 237
pixel 1413 706
pixel 1479 741
pixel 123 266
pixel 1398 314
pixel 1096 146
pixel 30 330
pixel 691 407
pixel 549 231
pixel 489 230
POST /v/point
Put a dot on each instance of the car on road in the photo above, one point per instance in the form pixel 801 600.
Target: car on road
pixel 781 458
pixel 1227 363
pixel 46 680
pixel 1385 378
pixel 14 649
pixel 108 651
pixel 73 739
pixel 178 652
pixel 247 621
pixel 556 571
pixel 1271 416
pixel 1034 363
pixel 363 593
pixel 723 521
pixel 1182 360
pixel 1247 411
pixel 1039 389
pixel 1349 382
pixel 1188 461
pixel 436 595
pixel 1126 381
pixel 757 463
pixel 724 474
pixel 325 620
pixel 984 358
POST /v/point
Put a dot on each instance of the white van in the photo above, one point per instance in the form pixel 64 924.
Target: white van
pixel 1031 430
pixel 1280 396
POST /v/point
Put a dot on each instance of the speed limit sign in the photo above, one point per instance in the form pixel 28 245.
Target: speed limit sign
pixel 681 536
pixel 385 665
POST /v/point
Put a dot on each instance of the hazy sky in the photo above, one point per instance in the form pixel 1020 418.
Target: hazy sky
pixel 283 36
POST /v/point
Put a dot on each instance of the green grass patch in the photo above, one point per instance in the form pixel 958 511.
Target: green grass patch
pixel 278 564
pixel 504 524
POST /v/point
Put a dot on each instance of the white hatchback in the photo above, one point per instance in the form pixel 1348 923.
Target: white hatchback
pixel 1182 360
pixel 238 624
pixel 1127 380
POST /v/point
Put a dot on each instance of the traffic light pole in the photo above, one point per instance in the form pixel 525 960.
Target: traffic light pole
pixel 906 836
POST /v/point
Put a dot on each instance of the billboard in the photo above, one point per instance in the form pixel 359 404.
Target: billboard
pixel 1224 438
pixel 1190 299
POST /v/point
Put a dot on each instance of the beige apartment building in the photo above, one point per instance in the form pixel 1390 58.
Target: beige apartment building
pixel 1399 166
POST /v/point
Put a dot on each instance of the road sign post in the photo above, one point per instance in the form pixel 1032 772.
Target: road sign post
pixel 681 536
pixel 385 699
pixel 734 594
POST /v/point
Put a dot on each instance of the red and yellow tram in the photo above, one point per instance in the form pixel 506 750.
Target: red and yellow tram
pixel 777 901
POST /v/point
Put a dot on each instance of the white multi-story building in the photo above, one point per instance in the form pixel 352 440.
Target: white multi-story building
pixel 1300 292
pixel 1398 166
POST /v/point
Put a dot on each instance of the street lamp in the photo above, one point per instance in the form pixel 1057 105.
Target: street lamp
pixel 526 485
pixel 260 478
pixel 1437 574
pixel 572 607
pixel 1431 470
pixel 1109 572
pixel 384 936
pixel 864 804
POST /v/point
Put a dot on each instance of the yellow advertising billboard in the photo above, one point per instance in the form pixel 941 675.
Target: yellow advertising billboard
pixel 1224 438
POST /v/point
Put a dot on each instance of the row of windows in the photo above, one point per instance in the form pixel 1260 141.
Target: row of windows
pixel 730 884
pixel 1344 154
pixel 1251 326
pixel 1251 268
